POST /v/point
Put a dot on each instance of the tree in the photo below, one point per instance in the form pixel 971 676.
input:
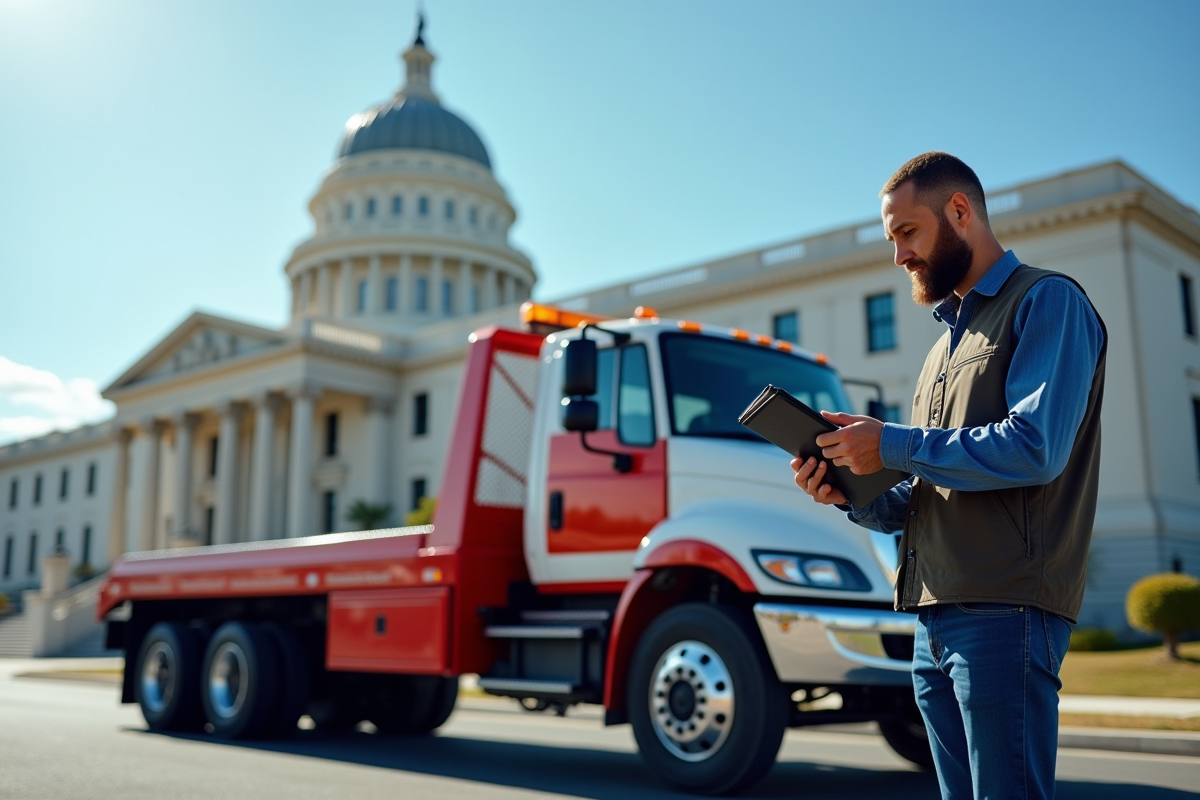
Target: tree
pixel 423 513
pixel 368 516
pixel 1168 603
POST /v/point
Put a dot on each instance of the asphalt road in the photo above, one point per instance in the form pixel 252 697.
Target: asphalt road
pixel 61 739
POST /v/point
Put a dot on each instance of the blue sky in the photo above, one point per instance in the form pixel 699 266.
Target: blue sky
pixel 157 157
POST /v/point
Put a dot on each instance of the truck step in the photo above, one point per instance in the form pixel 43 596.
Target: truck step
pixel 535 631
pixel 567 616
pixel 518 686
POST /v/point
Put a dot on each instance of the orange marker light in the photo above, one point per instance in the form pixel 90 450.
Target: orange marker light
pixel 784 346
pixel 690 327
pixel 738 333
pixel 644 312
pixel 763 340
pixel 821 359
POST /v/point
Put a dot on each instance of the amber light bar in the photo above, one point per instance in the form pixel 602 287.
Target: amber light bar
pixel 543 319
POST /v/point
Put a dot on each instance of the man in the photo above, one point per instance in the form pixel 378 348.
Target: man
pixel 1005 454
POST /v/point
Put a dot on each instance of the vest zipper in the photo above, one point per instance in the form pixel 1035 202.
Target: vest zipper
pixel 910 568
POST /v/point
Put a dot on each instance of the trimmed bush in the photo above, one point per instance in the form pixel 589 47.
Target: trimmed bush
pixel 423 513
pixel 3 602
pixel 1093 639
pixel 1168 604
pixel 369 516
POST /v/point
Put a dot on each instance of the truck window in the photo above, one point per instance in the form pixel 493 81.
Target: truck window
pixel 605 366
pixel 635 411
pixel 711 381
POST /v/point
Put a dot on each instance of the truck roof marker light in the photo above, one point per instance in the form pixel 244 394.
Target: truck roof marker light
pixel 822 358
pixel 690 327
pixel 645 312
pixel 784 346
pixel 738 333
pixel 431 575
pixel 536 316
pixel 765 341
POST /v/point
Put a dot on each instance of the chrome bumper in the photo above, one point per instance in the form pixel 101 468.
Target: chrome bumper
pixel 829 645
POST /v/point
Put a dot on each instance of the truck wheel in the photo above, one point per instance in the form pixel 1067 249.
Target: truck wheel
pixel 707 711
pixel 907 735
pixel 415 704
pixel 240 681
pixel 168 678
pixel 294 679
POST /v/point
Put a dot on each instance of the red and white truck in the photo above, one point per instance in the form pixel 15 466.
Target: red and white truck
pixel 606 532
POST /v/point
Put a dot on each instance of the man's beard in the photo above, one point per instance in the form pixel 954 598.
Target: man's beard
pixel 946 267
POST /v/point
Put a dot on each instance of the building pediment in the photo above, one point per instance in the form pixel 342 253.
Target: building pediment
pixel 200 340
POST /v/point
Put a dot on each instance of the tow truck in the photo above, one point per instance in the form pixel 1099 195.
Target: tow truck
pixel 606 532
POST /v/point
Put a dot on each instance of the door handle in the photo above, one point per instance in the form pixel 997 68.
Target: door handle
pixel 556 511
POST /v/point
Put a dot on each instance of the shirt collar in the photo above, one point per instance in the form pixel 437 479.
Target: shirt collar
pixel 947 310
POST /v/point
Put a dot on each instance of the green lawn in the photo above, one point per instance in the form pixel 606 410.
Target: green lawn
pixel 1133 673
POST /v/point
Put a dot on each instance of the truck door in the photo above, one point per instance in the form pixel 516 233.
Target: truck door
pixel 593 508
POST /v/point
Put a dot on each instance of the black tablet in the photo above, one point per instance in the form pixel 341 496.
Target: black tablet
pixel 791 425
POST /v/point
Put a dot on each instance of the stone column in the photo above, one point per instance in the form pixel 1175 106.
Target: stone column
pixel 324 292
pixel 262 473
pixel 145 482
pixel 435 286
pixel 379 445
pixel 346 280
pixel 464 288
pixel 225 516
pixel 300 501
pixel 404 302
pixel 185 429
pixel 507 295
pixel 305 292
pixel 116 520
pixel 489 287
pixel 374 286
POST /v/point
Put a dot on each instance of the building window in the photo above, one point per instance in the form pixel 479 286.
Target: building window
pixel 421 414
pixel 37 489
pixel 370 206
pixel 881 323
pixel 329 512
pixel 419 491
pixel 449 209
pixel 423 206
pixel 331 434
pixel 14 491
pixel 85 552
pixel 59 535
pixel 209 523
pixel 472 216
pixel 348 212
pixel 8 557
pixel 422 294
pixel 447 298
pixel 1196 420
pixel 787 327
pixel 391 293
pixel 31 567
pixel 474 292
pixel 397 205
pixel 64 479
pixel 362 297
pixel 91 479
pixel 1188 296
pixel 212 457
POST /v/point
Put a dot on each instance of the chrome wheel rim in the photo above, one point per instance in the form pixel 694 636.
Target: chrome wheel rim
pixel 159 669
pixel 228 680
pixel 691 701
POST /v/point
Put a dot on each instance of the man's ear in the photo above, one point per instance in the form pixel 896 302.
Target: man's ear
pixel 959 211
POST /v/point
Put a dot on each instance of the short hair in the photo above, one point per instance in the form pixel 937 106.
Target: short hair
pixel 936 176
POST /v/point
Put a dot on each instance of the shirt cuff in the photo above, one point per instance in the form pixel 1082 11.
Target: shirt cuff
pixel 896 446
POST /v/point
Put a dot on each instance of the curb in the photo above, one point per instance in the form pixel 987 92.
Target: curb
pixel 1168 743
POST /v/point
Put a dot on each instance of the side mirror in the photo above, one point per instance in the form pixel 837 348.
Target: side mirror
pixel 579 369
pixel 876 409
pixel 580 416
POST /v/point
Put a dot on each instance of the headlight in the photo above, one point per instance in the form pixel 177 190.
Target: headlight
pixel 819 572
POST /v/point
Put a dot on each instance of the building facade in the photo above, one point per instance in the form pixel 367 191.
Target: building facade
pixel 228 432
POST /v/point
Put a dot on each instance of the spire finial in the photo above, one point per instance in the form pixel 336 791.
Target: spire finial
pixel 418 65
pixel 420 40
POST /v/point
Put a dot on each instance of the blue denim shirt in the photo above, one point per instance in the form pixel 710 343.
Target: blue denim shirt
pixel 1058 342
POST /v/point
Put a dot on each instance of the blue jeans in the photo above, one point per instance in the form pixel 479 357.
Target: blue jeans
pixel 986 678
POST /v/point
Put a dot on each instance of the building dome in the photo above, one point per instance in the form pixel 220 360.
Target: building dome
pixel 411 122
pixel 414 119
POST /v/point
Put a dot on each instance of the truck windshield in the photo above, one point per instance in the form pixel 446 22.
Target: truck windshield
pixel 711 381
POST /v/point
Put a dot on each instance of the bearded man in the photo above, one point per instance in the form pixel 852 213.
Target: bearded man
pixel 1004 451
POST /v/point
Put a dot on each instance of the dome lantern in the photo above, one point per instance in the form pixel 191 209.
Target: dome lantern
pixel 418 67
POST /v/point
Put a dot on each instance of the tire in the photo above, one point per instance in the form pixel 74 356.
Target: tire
pixel 167 683
pixel 907 735
pixel 295 679
pixel 707 711
pixel 414 704
pixel 240 681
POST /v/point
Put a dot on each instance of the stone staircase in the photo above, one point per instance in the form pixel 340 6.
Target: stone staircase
pixel 16 639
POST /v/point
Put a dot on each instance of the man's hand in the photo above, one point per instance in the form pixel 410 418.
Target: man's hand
pixel 809 477
pixel 854 445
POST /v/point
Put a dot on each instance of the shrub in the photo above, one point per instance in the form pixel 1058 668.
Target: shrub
pixel 3 602
pixel 1093 639
pixel 423 513
pixel 1168 604
pixel 84 572
pixel 368 516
